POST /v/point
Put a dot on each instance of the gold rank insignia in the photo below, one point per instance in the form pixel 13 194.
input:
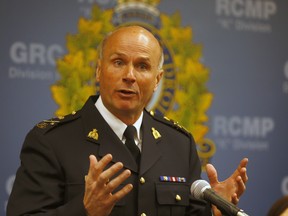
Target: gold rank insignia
pixel 45 123
pixel 155 133
pixel 93 134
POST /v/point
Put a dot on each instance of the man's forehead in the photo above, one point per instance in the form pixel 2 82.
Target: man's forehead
pixel 140 44
pixel 133 32
pixel 133 38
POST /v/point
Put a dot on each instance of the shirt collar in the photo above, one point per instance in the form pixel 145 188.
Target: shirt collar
pixel 116 124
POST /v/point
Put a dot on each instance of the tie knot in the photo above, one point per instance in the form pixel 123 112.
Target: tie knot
pixel 130 132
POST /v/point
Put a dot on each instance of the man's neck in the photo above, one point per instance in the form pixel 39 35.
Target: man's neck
pixel 123 116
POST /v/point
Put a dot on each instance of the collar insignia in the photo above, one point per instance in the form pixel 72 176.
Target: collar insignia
pixel 93 134
pixel 155 133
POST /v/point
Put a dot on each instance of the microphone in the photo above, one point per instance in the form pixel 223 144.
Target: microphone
pixel 201 189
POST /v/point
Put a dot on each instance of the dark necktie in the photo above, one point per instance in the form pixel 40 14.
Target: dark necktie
pixel 130 142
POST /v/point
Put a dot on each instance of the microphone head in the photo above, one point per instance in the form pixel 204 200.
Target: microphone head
pixel 198 187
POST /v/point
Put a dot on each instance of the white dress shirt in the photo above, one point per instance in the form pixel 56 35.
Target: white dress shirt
pixel 117 125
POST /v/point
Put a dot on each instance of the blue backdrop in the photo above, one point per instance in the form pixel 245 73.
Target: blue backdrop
pixel 245 47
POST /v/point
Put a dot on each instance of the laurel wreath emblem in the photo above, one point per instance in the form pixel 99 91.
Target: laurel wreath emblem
pixel 191 100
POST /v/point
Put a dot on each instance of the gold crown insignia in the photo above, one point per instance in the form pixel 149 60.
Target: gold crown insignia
pixel 150 2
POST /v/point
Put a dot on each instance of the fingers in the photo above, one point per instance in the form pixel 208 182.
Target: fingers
pixel 112 185
pixel 100 177
pixel 244 162
pixel 241 180
pixel 104 177
pixel 241 187
pixel 235 199
pixel 116 182
pixel 242 170
pixel 101 183
pixel 212 174
pixel 96 168
pixel 243 174
pixel 106 186
pixel 234 186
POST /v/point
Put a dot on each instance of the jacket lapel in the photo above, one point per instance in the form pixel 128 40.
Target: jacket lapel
pixel 105 137
pixel 150 150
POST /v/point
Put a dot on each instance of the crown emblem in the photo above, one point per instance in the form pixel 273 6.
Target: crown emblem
pixel 131 11
pixel 155 133
pixel 93 134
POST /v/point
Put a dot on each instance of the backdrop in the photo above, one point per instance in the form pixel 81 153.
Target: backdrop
pixel 236 50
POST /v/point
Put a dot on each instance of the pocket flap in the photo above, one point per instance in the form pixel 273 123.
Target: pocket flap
pixel 172 194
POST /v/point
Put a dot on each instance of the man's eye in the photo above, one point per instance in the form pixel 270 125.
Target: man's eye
pixel 142 66
pixel 118 62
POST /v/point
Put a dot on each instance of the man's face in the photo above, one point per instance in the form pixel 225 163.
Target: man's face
pixel 128 71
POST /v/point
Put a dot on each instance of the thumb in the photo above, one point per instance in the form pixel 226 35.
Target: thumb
pixel 212 174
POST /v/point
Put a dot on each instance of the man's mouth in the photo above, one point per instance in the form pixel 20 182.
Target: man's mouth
pixel 127 92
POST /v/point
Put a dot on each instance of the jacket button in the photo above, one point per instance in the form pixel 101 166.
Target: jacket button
pixel 143 214
pixel 142 181
pixel 178 197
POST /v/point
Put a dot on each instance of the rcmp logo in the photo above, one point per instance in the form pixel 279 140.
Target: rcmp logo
pixel 182 94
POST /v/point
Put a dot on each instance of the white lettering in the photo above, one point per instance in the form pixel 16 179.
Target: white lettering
pixel 257 127
pixel 220 126
pixel 251 126
pixel 254 9
pixel 267 125
pixel 52 52
pixel 270 9
pixel 236 126
pixel 257 9
pixel 18 53
pixel 251 145
pixel 222 7
pixel 34 53
pixel 19 73
pixel 37 51
pixel 237 8
pixel 238 144
pixel 241 25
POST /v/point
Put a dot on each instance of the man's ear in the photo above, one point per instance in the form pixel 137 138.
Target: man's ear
pixel 158 79
pixel 98 70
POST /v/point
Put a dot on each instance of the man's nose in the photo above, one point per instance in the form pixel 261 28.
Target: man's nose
pixel 130 73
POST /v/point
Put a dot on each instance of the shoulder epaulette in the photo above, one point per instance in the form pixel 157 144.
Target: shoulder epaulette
pixel 47 125
pixel 170 123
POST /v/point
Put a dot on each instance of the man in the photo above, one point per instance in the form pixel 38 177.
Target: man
pixel 56 177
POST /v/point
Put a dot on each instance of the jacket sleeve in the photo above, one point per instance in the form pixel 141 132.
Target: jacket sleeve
pixel 197 207
pixel 39 187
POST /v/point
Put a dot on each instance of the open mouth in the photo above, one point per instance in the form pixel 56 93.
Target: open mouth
pixel 127 92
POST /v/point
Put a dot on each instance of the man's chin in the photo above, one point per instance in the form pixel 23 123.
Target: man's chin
pixel 129 108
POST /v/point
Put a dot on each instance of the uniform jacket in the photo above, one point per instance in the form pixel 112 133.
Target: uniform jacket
pixel 55 160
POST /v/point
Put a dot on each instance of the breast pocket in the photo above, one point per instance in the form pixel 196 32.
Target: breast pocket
pixel 173 198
